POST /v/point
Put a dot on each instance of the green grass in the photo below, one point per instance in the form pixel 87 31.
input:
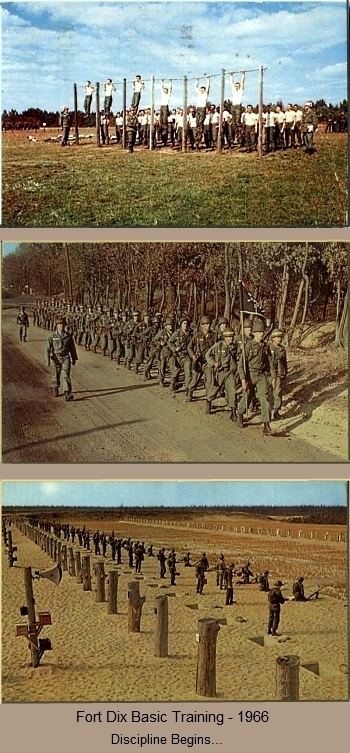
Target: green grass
pixel 45 185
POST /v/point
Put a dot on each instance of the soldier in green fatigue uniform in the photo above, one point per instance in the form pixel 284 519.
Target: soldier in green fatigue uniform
pixel 298 590
pixel 23 322
pixel 60 353
pixel 253 374
pixel 222 360
pixel 309 126
pixel 264 581
pixel 229 584
pixel 152 346
pixel 65 124
pixel 140 341
pixel 161 340
pixel 279 357
pixel 198 346
pixel 275 599
pixel 131 128
pixel 222 324
pixel 220 571
pixel 128 338
pixel 180 359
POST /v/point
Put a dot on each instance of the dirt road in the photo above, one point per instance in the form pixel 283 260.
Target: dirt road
pixel 117 417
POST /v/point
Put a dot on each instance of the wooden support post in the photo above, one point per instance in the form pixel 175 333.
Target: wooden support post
pixel 208 629
pixel 85 568
pixel 71 562
pixel 151 132
pixel 124 115
pixel 112 603
pixel 99 570
pixel 78 570
pixel 184 107
pixel 222 97
pixel 28 585
pixel 287 678
pixel 260 100
pixel 55 550
pixel 161 626
pixel 76 127
pixel 11 549
pixel 64 557
pixel 136 603
pixel 59 552
pixel 97 95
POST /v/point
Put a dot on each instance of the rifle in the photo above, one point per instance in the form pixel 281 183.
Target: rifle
pixel 315 593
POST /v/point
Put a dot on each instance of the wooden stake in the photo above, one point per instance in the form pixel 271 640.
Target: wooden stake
pixel 97 95
pixel 124 115
pixel 287 678
pixel 151 132
pixel 260 93
pixel 184 106
pixel 112 603
pixel 64 557
pixel 28 585
pixel 85 568
pixel 99 570
pixel 71 562
pixel 208 629
pixel 222 97
pixel 136 603
pixel 161 626
pixel 78 570
pixel 11 549
pixel 76 115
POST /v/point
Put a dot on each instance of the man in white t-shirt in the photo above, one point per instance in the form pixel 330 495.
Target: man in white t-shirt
pixel 88 91
pixel 269 128
pixel 119 127
pixel 227 128
pixel 192 126
pixel 137 85
pixel 164 109
pixel 109 88
pixel 250 128
pixel 215 117
pixel 289 136
pixel 202 98
pixel 237 90
pixel 280 124
pixel 298 119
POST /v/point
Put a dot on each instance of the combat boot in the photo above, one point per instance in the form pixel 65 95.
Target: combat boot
pixel 189 396
pixel 233 416
pixel 69 396
pixel 208 407
pixel 240 421
pixel 94 349
pixel 136 368
pixel 55 391
pixel 275 416
pixel 267 431
pixel 146 375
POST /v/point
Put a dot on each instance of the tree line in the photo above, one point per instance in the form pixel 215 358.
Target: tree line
pixel 296 283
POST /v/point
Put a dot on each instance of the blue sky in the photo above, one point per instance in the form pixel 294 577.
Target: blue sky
pixel 173 493
pixel 9 248
pixel 48 46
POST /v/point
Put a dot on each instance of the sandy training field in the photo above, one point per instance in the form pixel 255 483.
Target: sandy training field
pixel 94 658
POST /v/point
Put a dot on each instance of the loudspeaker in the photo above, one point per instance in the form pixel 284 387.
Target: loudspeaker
pixel 52 573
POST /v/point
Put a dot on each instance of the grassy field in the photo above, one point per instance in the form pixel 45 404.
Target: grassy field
pixel 44 185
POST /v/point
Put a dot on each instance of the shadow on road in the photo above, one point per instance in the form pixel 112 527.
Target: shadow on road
pixel 56 438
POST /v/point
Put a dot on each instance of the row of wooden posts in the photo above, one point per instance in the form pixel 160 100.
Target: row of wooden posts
pixel 259 70
pixel 287 667
pixel 280 532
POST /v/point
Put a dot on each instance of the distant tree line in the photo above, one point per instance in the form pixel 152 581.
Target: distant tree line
pixel 297 283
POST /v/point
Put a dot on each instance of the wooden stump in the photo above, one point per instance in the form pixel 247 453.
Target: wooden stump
pixel 28 585
pixel 64 557
pixel 136 603
pixel 287 678
pixel 78 570
pixel 59 552
pixel 112 603
pixel 208 629
pixel 161 626
pixel 71 562
pixel 99 570
pixel 85 569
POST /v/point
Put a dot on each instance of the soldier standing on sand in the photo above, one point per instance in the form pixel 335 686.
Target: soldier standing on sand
pixel 247 573
pixel 61 353
pixel 229 584
pixel 161 558
pixel 275 599
pixel 220 570
pixel 200 575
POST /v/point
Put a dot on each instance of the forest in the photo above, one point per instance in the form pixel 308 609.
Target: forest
pixel 296 283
